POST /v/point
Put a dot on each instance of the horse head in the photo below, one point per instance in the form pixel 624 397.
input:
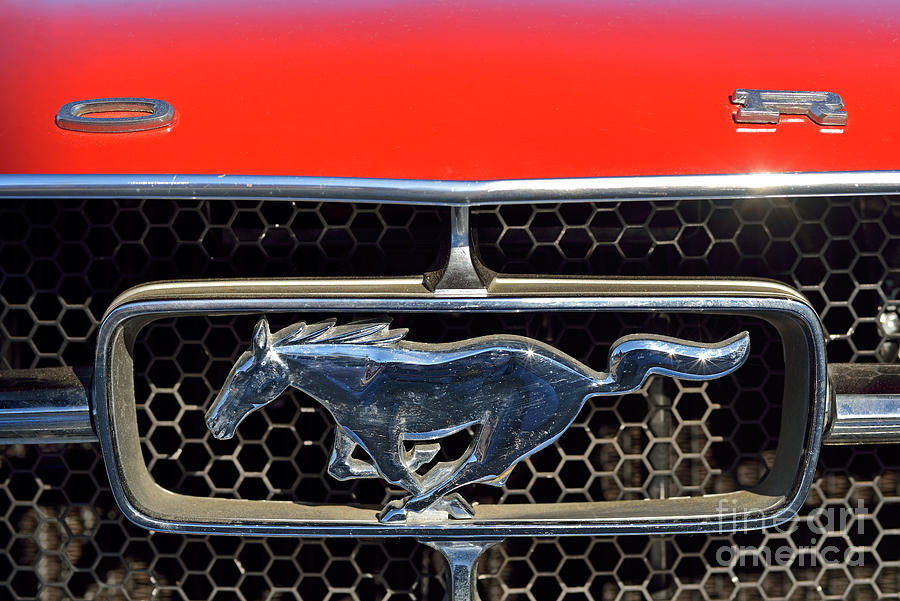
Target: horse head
pixel 276 361
pixel 256 379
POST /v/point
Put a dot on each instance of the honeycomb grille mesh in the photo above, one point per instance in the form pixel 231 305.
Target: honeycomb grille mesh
pixel 62 262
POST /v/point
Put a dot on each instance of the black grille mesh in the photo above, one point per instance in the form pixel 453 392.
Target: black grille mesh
pixel 62 262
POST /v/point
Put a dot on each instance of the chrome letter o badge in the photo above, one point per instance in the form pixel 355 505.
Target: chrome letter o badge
pixel 159 114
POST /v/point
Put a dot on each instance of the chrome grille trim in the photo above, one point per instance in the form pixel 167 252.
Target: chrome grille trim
pixel 450 192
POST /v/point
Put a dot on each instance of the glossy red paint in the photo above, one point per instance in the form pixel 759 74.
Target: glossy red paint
pixel 450 90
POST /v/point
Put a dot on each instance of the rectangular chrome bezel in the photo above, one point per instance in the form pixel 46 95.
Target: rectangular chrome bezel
pixel 773 501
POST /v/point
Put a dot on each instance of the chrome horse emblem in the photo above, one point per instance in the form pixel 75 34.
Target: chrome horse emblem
pixel 395 400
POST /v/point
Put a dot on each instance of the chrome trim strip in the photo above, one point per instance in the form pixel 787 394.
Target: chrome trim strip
pixel 864 403
pixel 43 406
pixel 452 193
pixel 864 419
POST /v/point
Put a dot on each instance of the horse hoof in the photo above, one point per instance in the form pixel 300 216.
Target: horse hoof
pixel 339 472
pixel 458 508
pixel 395 511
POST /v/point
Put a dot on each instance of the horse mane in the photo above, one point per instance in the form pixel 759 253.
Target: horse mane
pixel 357 332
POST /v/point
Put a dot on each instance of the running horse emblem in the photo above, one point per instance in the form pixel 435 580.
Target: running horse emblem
pixel 395 399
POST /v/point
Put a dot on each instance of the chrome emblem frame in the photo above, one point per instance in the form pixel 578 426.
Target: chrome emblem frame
pixel 767 106
pixel 775 500
pixel 518 394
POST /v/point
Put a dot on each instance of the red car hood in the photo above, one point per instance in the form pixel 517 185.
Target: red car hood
pixel 452 90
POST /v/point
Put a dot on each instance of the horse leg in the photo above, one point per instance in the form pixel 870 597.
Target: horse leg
pixel 444 479
pixel 502 478
pixel 420 455
pixel 342 464
pixel 395 466
pixel 435 498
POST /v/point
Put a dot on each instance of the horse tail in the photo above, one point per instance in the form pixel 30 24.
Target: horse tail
pixel 633 358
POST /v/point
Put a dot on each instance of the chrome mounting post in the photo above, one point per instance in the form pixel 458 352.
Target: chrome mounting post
pixel 464 272
pixel 462 565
